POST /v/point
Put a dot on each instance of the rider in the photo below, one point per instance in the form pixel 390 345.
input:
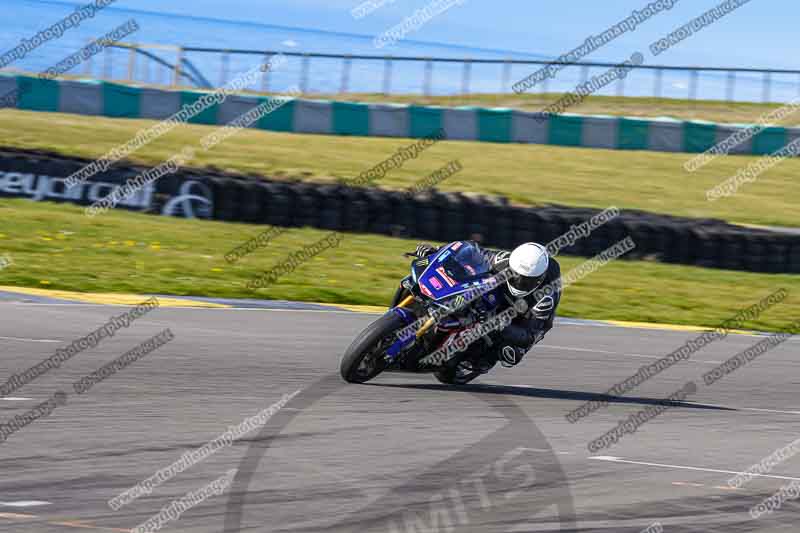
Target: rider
pixel 534 269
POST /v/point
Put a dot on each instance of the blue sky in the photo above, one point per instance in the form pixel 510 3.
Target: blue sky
pixel 762 33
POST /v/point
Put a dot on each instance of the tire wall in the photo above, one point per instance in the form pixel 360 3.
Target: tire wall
pixel 431 215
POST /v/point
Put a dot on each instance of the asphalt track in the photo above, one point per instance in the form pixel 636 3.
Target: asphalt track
pixel 401 454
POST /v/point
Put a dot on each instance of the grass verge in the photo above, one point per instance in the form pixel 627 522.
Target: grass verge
pixel 528 174
pixel 57 247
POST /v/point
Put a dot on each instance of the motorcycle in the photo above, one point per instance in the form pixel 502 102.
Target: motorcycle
pixel 446 296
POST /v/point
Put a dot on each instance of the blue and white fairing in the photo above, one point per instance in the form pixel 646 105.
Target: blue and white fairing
pixel 455 269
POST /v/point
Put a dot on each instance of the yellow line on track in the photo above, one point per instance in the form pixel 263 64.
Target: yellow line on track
pixel 17 516
pixel 109 298
pixel 167 301
pixel 356 308
pixel 68 523
pixel 82 525
pixel 667 327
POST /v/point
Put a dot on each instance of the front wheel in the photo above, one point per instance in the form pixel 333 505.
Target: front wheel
pixel 365 358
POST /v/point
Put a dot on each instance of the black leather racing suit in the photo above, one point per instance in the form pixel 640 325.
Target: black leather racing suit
pixel 528 328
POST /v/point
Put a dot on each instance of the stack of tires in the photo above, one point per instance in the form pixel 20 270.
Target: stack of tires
pixel 437 216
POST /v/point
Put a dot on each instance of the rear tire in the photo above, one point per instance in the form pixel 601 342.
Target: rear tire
pixel 364 359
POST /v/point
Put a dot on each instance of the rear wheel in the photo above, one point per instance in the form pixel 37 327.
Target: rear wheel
pixel 365 358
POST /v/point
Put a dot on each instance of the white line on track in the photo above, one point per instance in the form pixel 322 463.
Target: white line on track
pixel 757 410
pixel 544 450
pixel 594 350
pixel 559 321
pixel 685 402
pixel 25 503
pixel 15 399
pixel 23 339
pixel 78 304
pixel 612 459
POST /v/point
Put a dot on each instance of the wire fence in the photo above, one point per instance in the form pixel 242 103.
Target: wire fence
pixel 324 73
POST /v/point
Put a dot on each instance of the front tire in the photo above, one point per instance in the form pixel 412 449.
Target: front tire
pixel 364 359
pixel 399 295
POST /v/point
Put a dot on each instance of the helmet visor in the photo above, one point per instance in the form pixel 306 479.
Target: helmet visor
pixel 526 284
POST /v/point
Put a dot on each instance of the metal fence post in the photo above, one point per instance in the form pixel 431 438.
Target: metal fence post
pixel 465 76
pixel 506 76
pixel 224 68
pixel 132 63
pixel 87 65
pixel 265 75
pixel 387 75
pixel 766 95
pixel 731 84
pixel 426 84
pixel 304 74
pixel 346 64
pixel 107 66
pixel 658 83
pixel 584 74
pixel 144 73
pixel 176 79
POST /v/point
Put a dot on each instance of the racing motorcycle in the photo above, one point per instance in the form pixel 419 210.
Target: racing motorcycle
pixel 446 295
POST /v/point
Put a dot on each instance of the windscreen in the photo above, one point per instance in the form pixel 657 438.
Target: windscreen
pixel 464 262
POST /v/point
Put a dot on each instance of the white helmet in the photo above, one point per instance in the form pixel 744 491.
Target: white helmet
pixel 530 262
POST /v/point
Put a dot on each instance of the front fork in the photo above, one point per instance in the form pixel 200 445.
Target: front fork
pixel 408 318
pixel 405 341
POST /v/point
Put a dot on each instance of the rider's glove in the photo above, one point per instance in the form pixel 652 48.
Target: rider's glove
pixel 543 308
pixel 424 249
